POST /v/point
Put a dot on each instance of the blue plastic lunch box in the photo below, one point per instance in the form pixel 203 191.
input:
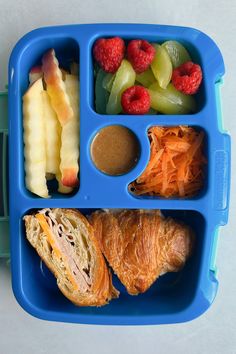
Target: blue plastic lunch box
pixel 175 297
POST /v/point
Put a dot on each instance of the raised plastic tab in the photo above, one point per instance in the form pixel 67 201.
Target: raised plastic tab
pixel 221 161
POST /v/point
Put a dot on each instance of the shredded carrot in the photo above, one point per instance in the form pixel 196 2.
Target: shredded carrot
pixel 176 165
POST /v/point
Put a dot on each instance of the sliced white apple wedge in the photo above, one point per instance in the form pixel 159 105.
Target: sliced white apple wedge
pixel 34 140
pixel 35 74
pixel 53 144
pixel 64 72
pixel 61 188
pixel 56 87
pixel 52 135
pixel 69 153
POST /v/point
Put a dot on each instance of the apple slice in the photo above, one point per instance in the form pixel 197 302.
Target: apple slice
pixel 35 74
pixel 56 87
pixel 53 144
pixel 61 188
pixel 52 135
pixel 69 153
pixel 34 140
pixel 64 72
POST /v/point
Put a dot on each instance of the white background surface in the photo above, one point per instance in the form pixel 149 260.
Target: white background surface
pixel 215 331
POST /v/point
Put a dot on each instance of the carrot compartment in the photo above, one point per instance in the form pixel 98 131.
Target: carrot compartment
pixel 176 165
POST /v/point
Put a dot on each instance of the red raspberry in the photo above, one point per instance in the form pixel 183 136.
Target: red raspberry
pixel 135 100
pixel 109 53
pixel 187 78
pixel 140 53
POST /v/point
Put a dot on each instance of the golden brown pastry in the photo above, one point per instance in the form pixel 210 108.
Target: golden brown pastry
pixel 65 241
pixel 141 245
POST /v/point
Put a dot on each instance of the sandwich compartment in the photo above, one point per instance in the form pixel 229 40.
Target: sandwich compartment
pixel 174 297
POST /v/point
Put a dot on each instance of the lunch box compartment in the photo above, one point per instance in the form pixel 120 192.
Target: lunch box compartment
pixel 195 55
pixel 174 297
pixel 206 170
pixel 67 51
pixel 172 292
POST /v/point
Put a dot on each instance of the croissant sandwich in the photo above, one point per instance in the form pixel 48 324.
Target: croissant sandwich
pixel 141 245
pixel 65 241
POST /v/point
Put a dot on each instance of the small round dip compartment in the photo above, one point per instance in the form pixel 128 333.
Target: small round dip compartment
pixel 115 150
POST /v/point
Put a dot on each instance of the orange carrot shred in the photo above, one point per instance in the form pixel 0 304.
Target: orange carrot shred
pixel 176 165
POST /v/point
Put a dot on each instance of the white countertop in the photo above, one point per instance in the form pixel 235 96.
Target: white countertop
pixel 212 333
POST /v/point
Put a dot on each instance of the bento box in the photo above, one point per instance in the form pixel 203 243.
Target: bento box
pixel 175 297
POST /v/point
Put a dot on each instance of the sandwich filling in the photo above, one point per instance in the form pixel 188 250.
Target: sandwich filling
pixel 69 242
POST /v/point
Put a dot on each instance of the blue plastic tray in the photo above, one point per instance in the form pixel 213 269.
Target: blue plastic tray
pixel 174 297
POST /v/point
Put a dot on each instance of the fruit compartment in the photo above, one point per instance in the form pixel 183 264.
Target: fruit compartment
pixel 169 298
pixel 67 50
pixel 159 38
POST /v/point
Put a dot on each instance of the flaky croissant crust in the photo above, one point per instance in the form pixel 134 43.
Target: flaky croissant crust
pixel 141 245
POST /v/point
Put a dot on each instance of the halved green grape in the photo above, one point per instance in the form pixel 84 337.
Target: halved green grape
pixel 108 81
pixel 124 78
pixel 171 101
pixel 178 54
pixel 161 66
pixel 101 95
pixel 146 78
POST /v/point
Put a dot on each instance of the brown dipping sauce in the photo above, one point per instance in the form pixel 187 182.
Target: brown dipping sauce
pixel 115 150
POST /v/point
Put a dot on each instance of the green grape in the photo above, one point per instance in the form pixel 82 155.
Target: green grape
pixel 178 54
pixel 124 78
pixel 108 81
pixel 171 101
pixel 101 95
pixel 146 78
pixel 161 66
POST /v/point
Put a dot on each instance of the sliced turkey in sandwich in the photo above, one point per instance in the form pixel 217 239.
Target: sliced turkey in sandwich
pixel 65 241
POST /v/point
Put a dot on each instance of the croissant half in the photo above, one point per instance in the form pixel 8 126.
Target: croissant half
pixel 141 245
pixel 65 241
